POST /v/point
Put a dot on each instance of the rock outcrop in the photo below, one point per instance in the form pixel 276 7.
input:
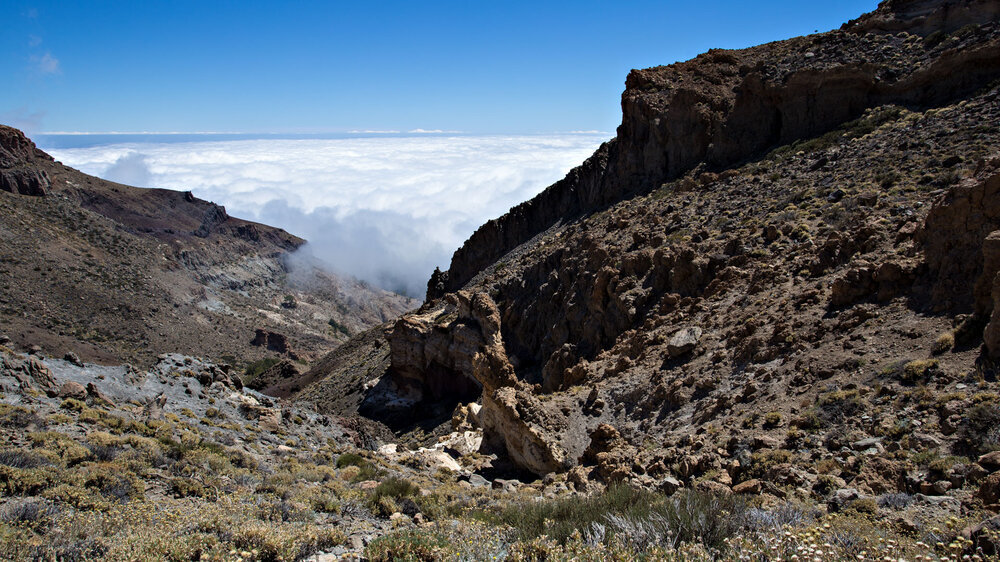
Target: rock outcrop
pixel 962 239
pixel 960 236
pixel 454 350
pixel 16 174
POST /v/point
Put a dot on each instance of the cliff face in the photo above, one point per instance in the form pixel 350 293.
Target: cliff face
pixel 725 107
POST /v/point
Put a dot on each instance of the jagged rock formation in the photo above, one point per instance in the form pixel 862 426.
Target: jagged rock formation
pixel 724 107
pixel 17 175
pixel 456 350
pixel 688 309
pixel 115 273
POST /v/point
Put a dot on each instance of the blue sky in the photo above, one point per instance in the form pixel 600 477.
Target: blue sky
pixel 472 66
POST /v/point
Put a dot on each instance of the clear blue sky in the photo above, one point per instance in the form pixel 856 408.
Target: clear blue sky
pixel 475 66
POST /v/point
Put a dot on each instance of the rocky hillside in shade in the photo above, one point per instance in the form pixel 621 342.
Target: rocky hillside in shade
pixel 117 273
pixel 777 279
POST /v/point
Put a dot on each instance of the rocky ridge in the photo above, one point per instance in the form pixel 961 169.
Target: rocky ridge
pixel 727 106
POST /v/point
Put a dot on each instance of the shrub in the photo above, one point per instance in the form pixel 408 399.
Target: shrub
pixel 808 420
pixel 836 406
pixel 285 511
pixel 825 484
pixel 919 370
pixel 22 459
pixel 59 446
pixel 761 461
pixel 943 343
pixel 633 516
pixel 112 482
pixel 29 513
pixel 365 470
pixel 895 501
pixel 408 546
pixel 186 488
pixel 26 481
pixel 686 517
pixel 18 417
pixel 864 505
pixel 256 368
pixel 80 498
pixel 386 497
pixel 103 452
pixel 350 459
pixel 981 430
pixel 339 327
pixel 324 502
pixel 73 405
pixel 772 419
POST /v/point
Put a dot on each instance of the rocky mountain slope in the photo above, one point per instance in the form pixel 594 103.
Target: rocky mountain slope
pixel 761 323
pixel 777 279
pixel 117 273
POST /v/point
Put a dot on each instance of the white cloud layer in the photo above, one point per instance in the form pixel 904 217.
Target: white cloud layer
pixel 385 209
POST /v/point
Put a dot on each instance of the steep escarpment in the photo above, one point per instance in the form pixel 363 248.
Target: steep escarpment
pixel 117 273
pixel 725 107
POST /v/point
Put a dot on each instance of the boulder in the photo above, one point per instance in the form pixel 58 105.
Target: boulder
pixel 73 359
pixel 71 389
pixel 990 461
pixel 460 444
pixel 684 341
pixel 753 486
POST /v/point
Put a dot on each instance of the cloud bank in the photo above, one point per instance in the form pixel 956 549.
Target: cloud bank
pixel 386 209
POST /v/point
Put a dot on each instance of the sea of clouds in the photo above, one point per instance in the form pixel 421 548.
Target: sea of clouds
pixel 387 209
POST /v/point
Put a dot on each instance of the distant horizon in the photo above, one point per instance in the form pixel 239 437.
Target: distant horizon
pixel 88 139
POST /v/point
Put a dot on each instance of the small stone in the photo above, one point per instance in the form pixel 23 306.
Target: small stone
pixel 669 485
pixel 866 443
